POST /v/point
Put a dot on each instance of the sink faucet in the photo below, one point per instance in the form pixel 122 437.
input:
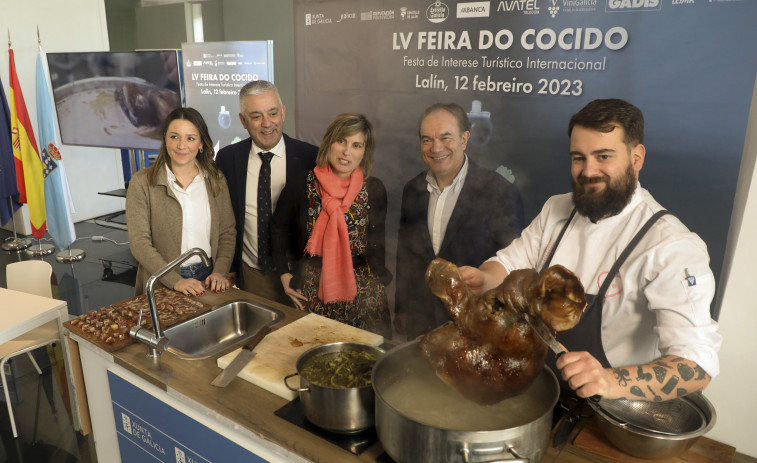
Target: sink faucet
pixel 156 342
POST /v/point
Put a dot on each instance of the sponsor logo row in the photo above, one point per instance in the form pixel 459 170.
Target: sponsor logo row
pixel 438 11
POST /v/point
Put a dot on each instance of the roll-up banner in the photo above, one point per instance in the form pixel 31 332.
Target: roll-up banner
pixel 521 68
pixel 213 74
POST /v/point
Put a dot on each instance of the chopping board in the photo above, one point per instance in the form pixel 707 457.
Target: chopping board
pixel 276 355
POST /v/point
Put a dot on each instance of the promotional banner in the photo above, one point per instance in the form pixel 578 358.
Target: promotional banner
pixel 213 74
pixel 521 68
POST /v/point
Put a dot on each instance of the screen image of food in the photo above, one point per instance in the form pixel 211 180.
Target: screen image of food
pixel 114 99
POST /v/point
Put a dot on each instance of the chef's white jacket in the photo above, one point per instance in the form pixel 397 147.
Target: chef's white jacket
pixel 660 301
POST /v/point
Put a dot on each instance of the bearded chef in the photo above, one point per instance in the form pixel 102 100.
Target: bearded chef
pixel 647 333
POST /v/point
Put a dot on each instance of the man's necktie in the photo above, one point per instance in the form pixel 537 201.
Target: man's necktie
pixel 265 211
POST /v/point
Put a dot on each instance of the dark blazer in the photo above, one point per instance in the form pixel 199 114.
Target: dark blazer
pixel 232 161
pixel 487 216
pixel 289 227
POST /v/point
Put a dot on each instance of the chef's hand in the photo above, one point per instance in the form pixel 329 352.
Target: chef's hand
pixel 473 277
pixel 232 278
pixel 584 374
pixel 293 294
pixel 489 275
pixel 217 283
pixel 400 323
pixel 190 287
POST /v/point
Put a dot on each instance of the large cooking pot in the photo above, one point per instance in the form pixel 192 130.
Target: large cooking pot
pixel 340 410
pixel 421 419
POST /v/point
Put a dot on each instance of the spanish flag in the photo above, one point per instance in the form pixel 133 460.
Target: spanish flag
pixel 29 178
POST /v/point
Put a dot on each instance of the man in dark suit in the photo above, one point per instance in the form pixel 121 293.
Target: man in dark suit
pixel 456 210
pixel 268 157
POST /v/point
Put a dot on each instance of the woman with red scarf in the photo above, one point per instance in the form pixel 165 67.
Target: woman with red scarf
pixel 328 231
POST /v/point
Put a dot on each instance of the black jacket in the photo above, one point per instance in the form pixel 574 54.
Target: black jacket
pixel 232 161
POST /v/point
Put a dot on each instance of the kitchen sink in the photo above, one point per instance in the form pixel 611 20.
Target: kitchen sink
pixel 224 326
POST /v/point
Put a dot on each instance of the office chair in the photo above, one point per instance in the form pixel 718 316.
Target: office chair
pixel 33 277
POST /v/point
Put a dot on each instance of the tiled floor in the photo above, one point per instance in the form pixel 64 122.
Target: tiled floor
pixel 105 276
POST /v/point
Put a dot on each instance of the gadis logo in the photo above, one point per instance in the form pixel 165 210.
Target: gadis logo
pixel 632 5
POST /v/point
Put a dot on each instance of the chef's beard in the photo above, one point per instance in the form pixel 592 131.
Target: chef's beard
pixel 616 195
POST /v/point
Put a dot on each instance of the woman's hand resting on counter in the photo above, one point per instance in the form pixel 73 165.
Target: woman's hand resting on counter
pixel 217 283
pixel 293 294
pixel 190 287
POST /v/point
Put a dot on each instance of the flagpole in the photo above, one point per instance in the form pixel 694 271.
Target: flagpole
pixel 42 249
pixel 59 221
pixel 16 244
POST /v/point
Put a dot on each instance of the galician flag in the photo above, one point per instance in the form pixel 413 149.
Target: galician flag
pixel 58 201
pixel 8 189
pixel 28 164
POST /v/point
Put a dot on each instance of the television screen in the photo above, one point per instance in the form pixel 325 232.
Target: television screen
pixel 114 99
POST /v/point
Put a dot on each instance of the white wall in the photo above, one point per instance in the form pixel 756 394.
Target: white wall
pixel 732 393
pixel 71 25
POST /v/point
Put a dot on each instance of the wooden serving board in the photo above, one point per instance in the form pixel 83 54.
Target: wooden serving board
pixel 173 307
pixel 277 354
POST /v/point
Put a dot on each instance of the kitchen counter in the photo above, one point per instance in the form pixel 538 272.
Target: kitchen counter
pixel 244 412
pixel 241 406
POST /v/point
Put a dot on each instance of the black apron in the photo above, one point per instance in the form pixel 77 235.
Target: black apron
pixel 587 335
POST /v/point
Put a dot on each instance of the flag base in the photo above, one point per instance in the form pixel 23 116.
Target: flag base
pixel 16 244
pixel 41 250
pixel 70 256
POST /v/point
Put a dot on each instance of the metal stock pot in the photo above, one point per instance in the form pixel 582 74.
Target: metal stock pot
pixel 340 410
pixel 421 419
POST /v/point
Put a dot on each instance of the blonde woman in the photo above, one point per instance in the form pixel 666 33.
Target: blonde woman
pixel 328 231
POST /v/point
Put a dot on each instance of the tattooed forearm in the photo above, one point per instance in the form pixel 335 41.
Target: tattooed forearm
pixel 665 378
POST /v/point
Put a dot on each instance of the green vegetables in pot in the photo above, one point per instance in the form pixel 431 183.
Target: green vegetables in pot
pixel 340 370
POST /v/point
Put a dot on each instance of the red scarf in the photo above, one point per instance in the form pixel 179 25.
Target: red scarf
pixel 330 238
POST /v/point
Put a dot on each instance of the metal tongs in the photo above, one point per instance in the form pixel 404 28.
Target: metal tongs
pixel 546 335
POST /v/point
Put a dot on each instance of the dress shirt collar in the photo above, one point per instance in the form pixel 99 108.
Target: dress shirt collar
pixel 172 178
pixel 279 150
